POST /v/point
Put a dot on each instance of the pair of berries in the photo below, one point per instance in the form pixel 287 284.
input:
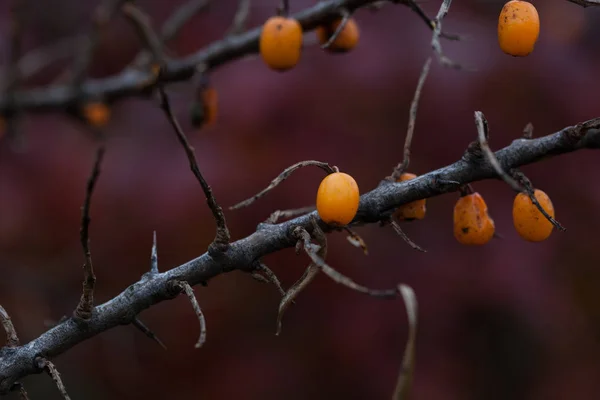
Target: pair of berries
pixel 474 226
pixel 280 42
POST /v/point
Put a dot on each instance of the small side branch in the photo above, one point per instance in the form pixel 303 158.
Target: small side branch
pixel 12 339
pixel 412 116
pixel 222 237
pixel 404 382
pixel 50 368
pixel 265 274
pixel 282 177
pixel 405 237
pixel 86 303
pixel 240 18
pixel 141 22
pixel 278 214
pixel 180 17
pixel 190 294
pixel 437 32
pixel 154 256
pixel 148 332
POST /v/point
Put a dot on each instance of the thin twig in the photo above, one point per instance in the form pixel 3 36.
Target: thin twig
pixel 356 241
pixel 265 274
pixel 405 237
pixel 43 363
pixel 278 214
pixel 404 382
pixel 346 15
pixel 222 236
pixel 86 303
pixel 240 18
pixel 180 17
pixel 190 294
pixel 313 252
pixel 307 277
pixel 282 177
pixel 483 134
pixel 412 116
pixel 428 21
pixel 147 331
pixel 142 24
pixel 12 339
pixel 437 31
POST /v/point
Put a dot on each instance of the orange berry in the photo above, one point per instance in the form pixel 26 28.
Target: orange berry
pixel 412 210
pixel 96 113
pixel 472 223
pixel 210 102
pixel 338 198
pixel 529 222
pixel 280 43
pixel 2 127
pixel 518 28
pixel 345 41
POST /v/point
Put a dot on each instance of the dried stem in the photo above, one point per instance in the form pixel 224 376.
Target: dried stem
pixel 405 237
pixel 282 177
pixel 412 116
pixel 404 382
pixel 356 241
pixel 148 332
pixel 265 274
pixel 190 294
pixel 86 303
pixel 428 21
pixel 346 15
pixel 12 340
pixel 222 237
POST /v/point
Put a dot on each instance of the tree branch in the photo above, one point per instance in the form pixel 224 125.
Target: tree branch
pixel 133 81
pixel 375 206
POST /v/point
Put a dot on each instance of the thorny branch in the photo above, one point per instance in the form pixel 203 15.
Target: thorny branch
pixel 375 206
pixel 86 303
pixel 133 81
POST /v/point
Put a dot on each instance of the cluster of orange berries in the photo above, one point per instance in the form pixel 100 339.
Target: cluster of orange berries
pixel 518 28
pixel 280 43
pixel 474 226
pixel 338 198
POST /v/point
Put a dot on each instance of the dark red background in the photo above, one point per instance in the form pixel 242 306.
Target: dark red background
pixel 509 320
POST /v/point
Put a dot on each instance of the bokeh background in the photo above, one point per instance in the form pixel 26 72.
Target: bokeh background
pixel 509 320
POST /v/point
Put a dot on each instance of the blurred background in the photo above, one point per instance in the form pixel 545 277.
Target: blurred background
pixel 509 320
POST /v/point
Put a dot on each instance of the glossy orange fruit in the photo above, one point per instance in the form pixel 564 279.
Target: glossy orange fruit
pixel 338 198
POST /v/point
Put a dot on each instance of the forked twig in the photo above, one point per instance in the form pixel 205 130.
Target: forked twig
pixel 428 21
pixel 190 294
pixel 265 274
pixel 222 236
pixel 437 31
pixel 404 382
pixel 86 302
pixel 282 177
pixel 412 116
pixel 405 237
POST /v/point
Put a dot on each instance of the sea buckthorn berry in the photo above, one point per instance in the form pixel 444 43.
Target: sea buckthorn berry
pixel 413 210
pixel 338 198
pixel 529 222
pixel 345 41
pixel 96 113
pixel 280 43
pixel 518 28
pixel 472 223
